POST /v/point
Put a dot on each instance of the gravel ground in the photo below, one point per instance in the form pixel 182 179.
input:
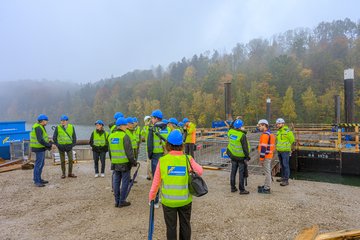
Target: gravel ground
pixel 83 208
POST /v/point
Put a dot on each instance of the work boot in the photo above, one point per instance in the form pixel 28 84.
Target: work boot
pixel 124 204
pixel 279 179
pixel 39 184
pixel 72 175
pixel 284 183
pixel 244 192
pixel 63 176
pixel 233 189
pixel 44 181
pixel 263 190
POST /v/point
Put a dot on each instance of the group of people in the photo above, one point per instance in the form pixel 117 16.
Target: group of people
pixel 170 151
pixel 238 150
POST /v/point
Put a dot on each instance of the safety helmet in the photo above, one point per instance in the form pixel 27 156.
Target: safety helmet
pixel 64 118
pixel 146 118
pixel 173 121
pixel 165 121
pixel 263 121
pixel 175 138
pixel 135 120
pixel 42 117
pixel 118 114
pixel 180 124
pixel 130 120
pixel 121 121
pixel 157 113
pixel 99 122
pixel 280 120
pixel 185 120
pixel 238 123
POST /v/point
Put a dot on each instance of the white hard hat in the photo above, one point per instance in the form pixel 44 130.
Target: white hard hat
pixel 280 120
pixel 146 118
pixel 263 121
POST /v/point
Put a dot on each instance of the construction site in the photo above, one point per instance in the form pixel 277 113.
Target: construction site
pixel 83 208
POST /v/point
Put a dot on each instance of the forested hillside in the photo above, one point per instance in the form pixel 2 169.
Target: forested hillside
pixel 300 70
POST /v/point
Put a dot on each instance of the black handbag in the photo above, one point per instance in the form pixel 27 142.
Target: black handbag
pixel 197 185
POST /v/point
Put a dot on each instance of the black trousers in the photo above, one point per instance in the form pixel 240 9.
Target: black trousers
pixel 189 149
pixel 235 165
pixel 170 216
pixel 97 156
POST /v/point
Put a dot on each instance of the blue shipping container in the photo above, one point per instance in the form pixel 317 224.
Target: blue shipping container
pixel 14 126
pixel 7 138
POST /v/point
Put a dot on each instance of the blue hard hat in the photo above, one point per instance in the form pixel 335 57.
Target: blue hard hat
pixel 238 123
pixel 135 120
pixel 42 117
pixel 157 113
pixel 129 120
pixel 165 121
pixel 181 124
pixel 121 121
pixel 99 122
pixel 175 138
pixel 173 121
pixel 185 120
pixel 118 114
pixel 64 118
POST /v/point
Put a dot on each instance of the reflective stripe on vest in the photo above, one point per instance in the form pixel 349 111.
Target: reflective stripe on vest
pixel 99 140
pixel 34 143
pixel 65 137
pixel 157 143
pixel 116 145
pixel 175 177
pixel 130 133
pixel 234 145
pixel 282 141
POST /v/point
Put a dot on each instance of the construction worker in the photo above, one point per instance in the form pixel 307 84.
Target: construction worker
pixel 238 150
pixel 65 139
pixel 182 130
pixel 99 144
pixel 266 151
pixel 144 136
pixel 130 131
pixel 137 134
pixel 172 173
pixel 190 130
pixel 39 143
pixel 173 124
pixel 155 143
pixel 284 139
pixel 122 159
pixel 112 126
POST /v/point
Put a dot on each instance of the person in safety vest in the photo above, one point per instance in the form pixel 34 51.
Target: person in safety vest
pixel 122 159
pixel 238 150
pixel 156 140
pixel 190 130
pixel 172 174
pixel 65 139
pixel 173 122
pixel 112 126
pixel 182 130
pixel 284 139
pixel 144 136
pixel 266 151
pixel 39 143
pixel 130 131
pixel 137 135
pixel 99 144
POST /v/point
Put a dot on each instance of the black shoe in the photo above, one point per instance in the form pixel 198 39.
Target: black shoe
pixel 39 185
pixel 124 204
pixel 233 189
pixel 244 192
pixel 260 187
pixel 263 190
pixel 44 181
pixel 116 205
pixel 279 180
pixel 284 183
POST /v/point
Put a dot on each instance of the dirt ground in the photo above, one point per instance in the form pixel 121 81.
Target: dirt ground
pixel 83 208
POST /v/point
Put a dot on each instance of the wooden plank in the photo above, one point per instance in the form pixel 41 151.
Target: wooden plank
pixel 308 233
pixel 317 148
pixel 10 168
pixel 211 168
pixel 343 234
pixel 11 162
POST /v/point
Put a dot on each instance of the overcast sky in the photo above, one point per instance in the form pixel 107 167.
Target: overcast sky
pixel 87 40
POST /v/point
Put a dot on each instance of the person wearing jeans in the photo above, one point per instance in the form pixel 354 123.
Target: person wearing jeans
pixel 122 159
pixel 284 139
pixel 39 143
pixel 99 144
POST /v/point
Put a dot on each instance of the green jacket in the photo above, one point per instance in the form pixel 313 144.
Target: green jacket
pixel 284 139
